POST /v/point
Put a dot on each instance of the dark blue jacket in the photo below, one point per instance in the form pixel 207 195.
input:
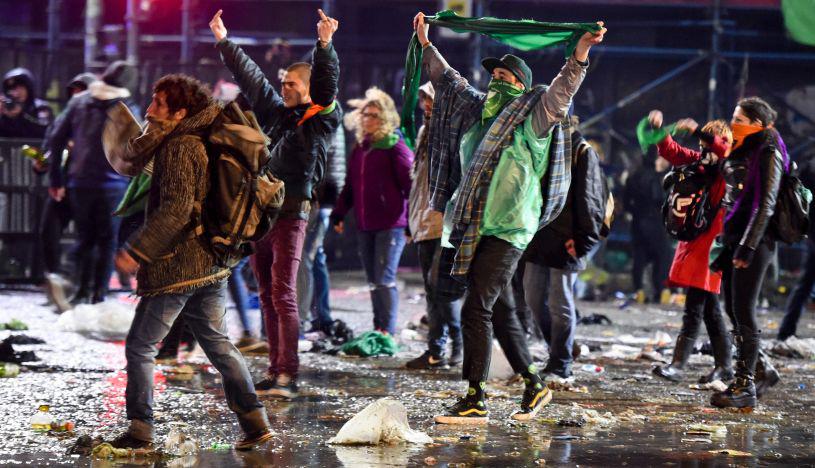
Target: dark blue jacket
pixel 83 121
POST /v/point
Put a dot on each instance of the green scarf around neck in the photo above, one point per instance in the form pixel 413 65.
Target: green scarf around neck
pixel 523 35
pixel 499 93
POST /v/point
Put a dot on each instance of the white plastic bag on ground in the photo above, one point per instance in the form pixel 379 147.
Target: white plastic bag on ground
pixel 500 369
pixel 107 320
pixel 383 421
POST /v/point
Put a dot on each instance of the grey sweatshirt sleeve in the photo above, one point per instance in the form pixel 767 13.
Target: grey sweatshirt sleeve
pixel 556 100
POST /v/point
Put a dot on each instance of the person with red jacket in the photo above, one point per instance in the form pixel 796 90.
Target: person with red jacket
pixel 690 268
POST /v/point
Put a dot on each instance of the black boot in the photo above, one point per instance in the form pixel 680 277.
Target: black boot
pixel 766 375
pixel 742 392
pixel 80 297
pixel 673 371
pixel 722 358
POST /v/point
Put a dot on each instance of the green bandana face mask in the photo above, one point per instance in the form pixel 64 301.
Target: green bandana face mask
pixel 499 93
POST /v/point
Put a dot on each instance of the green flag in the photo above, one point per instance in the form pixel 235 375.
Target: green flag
pixel 521 34
pixel 799 18
pixel 648 135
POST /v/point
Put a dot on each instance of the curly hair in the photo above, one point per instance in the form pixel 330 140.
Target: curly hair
pixel 183 92
pixel 389 117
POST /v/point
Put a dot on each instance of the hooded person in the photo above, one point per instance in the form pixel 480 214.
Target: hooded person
pixel 94 189
pixel 499 173
pixel 22 115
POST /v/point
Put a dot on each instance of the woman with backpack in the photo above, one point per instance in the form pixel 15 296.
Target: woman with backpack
pixel 377 186
pixel 690 265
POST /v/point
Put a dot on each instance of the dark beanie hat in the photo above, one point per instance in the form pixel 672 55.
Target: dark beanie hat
pixel 122 75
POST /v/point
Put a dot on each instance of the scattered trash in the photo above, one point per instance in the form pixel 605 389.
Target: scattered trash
pixel 430 461
pixel 794 347
pixel 109 320
pixel 697 439
pixel 592 368
pixel 595 319
pixel 622 352
pixel 62 426
pixel 84 445
pixel 23 340
pixel 716 386
pixel 709 430
pixel 220 447
pixel 731 453
pixel 410 335
pixel 371 343
pixel 571 422
pixel 8 354
pixel 14 324
pixel 802 386
pixel 465 437
pixel 9 370
pixel 383 421
pixel 105 450
pixel 591 416
pixel 304 346
pixel 42 419
pixel 178 443
pixel 565 385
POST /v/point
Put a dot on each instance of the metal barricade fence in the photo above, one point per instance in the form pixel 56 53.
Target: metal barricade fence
pixel 22 196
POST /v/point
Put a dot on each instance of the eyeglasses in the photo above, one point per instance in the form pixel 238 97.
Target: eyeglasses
pixel 368 115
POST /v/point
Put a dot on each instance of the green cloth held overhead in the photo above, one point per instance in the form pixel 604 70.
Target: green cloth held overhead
pixel 799 18
pixel 524 35
pixel 648 135
pixel 372 343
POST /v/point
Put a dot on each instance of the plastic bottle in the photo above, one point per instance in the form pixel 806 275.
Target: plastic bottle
pixel 42 419
pixel 594 369
pixel 8 369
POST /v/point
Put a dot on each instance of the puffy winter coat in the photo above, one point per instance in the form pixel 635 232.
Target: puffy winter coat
pixel 36 115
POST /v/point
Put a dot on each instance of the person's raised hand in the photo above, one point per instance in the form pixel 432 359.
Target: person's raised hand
pixel 217 26
pixel 326 27
pixel 687 125
pixel 655 118
pixel 421 28
pixel 588 40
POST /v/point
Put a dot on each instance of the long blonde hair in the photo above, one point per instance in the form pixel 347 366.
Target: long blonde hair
pixel 388 115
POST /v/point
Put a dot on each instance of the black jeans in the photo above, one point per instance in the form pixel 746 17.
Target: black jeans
pixel 651 246
pixel 800 295
pixel 702 305
pixel 55 218
pixel 443 314
pixel 98 231
pixel 742 287
pixel 489 304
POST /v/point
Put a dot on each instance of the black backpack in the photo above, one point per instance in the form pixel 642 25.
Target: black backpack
pixel 790 221
pixel 688 210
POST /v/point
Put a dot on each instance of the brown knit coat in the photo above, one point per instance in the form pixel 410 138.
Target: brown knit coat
pixel 171 258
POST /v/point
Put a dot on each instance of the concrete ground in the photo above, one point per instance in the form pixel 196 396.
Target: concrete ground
pixel 625 416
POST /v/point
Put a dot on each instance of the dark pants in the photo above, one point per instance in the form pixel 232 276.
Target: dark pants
pixel 701 305
pixel 525 312
pixel 742 287
pixel 98 231
pixel 55 218
pixel 203 310
pixel 276 260
pixel 800 295
pixel 380 252
pixel 651 246
pixel 489 304
pixel 444 315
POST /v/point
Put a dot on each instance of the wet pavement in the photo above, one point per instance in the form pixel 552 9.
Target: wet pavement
pixel 628 418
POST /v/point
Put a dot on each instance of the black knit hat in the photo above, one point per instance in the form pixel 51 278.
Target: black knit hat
pixel 516 65
pixel 121 74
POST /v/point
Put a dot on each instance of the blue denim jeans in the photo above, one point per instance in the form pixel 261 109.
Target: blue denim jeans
pixel 203 310
pixel 444 315
pixel 240 294
pixel 549 293
pixel 380 252
pixel 312 277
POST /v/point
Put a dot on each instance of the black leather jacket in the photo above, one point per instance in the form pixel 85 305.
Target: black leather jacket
pixel 752 174
pixel 298 152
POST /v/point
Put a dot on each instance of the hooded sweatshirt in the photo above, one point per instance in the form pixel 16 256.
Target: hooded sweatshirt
pixel 84 123
pixel 36 115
